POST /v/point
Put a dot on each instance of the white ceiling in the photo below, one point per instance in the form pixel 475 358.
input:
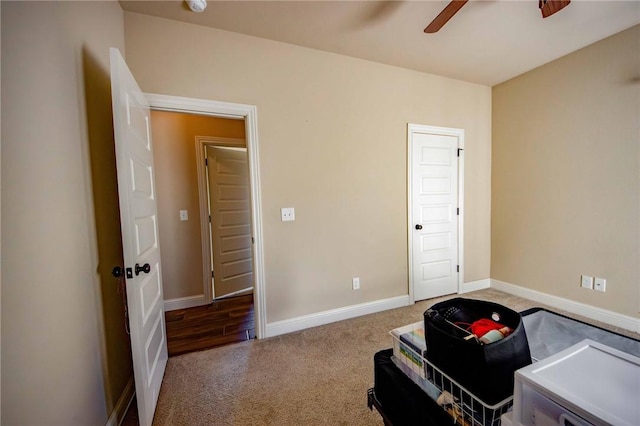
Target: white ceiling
pixel 486 42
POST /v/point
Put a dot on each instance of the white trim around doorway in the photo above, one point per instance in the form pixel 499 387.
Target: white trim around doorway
pixel 249 114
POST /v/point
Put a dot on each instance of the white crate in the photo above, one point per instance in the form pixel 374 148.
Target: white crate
pixel 464 407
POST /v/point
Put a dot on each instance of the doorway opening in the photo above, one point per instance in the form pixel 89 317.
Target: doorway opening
pixel 247 116
pixel 187 262
pixel 204 211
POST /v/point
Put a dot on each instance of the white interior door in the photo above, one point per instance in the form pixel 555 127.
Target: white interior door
pixel 434 210
pixel 138 215
pixel 230 212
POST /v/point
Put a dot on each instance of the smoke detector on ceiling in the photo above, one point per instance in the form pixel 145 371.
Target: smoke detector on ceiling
pixel 197 5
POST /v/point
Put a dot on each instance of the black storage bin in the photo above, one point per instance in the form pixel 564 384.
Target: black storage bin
pixel 487 371
pixel 399 400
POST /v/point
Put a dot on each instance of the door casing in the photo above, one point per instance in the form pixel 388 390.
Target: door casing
pixel 249 114
pixel 447 131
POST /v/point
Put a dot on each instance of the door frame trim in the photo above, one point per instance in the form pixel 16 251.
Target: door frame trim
pixel 250 115
pixel 200 143
pixel 446 131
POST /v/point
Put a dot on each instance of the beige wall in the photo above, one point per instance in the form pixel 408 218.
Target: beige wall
pixel 65 355
pixel 332 134
pixel 566 182
pixel 177 184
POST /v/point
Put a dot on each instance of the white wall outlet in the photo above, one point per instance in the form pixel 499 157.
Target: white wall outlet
pixel 287 214
pixel 600 284
pixel 586 282
pixel 355 282
pixel 184 215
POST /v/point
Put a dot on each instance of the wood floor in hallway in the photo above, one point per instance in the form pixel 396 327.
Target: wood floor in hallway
pixel 219 323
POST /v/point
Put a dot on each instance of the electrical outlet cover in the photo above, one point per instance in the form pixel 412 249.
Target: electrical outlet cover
pixel 356 283
pixel 287 214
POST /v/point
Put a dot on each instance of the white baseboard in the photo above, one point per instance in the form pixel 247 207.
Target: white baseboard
pixel 598 314
pixel 121 407
pixel 321 318
pixel 235 293
pixel 184 302
pixel 475 285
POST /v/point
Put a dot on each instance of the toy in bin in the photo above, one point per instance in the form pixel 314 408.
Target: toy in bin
pixel 479 344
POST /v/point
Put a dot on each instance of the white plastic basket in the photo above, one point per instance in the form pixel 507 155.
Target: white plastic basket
pixel 464 407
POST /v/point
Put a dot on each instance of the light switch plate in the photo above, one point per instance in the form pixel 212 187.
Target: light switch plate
pixel 288 214
pixel 586 282
pixel 184 215
pixel 600 284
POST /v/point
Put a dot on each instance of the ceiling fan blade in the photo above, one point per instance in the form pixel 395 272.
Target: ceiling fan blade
pixel 447 13
pixel 549 7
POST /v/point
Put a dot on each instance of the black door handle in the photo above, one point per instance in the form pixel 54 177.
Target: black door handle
pixel 418 227
pixel 146 268
pixel 116 271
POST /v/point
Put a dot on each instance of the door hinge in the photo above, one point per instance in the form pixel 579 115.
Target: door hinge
pixel 252 240
pixel 458 211
pixel 212 274
pixel 457 268
pixel 206 161
pixel 209 218
pixel 459 149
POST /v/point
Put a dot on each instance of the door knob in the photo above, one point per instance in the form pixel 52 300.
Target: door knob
pixel 116 272
pixel 418 227
pixel 146 268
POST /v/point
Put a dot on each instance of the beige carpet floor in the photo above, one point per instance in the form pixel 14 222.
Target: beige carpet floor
pixel 317 376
